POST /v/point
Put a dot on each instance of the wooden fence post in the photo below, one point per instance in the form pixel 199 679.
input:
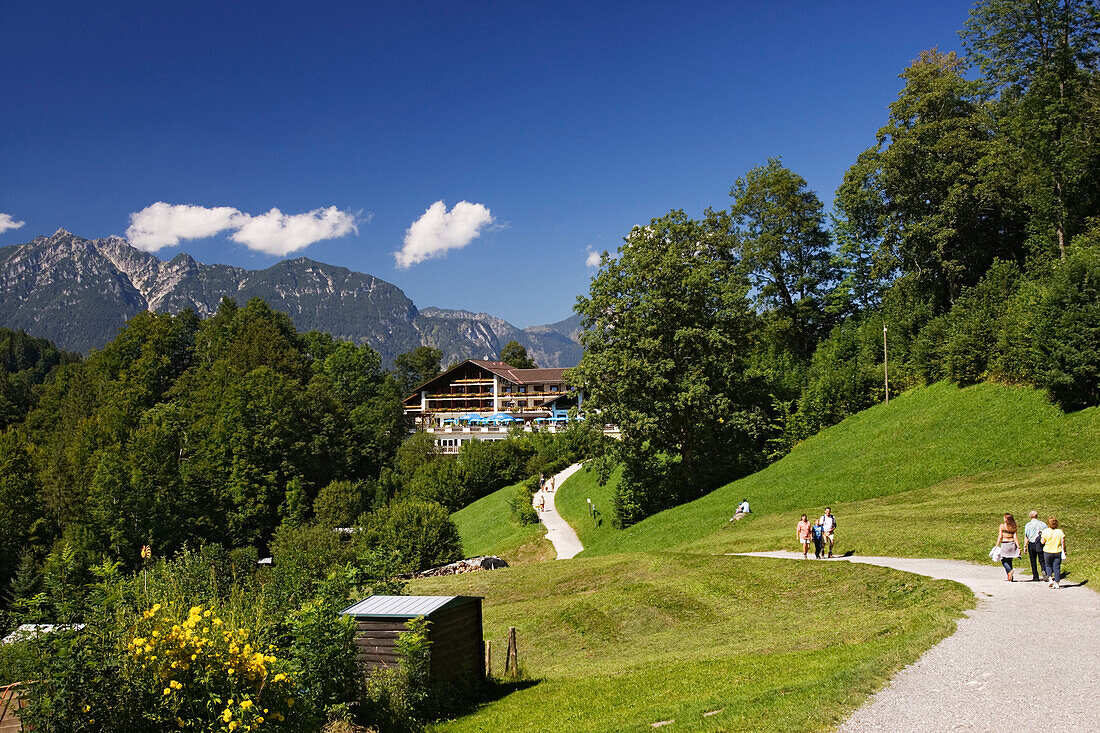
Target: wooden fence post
pixel 511 664
pixel 488 659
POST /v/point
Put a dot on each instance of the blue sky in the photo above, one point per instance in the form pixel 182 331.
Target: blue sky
pixel 567 123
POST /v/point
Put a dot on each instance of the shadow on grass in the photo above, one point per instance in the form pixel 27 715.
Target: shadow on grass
pixel 496 689
pixel 454 700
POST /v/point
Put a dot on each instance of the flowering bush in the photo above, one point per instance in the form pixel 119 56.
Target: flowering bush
pixel 199 673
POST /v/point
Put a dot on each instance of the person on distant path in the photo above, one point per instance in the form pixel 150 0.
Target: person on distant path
pixel 804 533
pixel 1010 546
pixel 542 502
pixel 1054 550
pixel 828 527
pixel 819 536
pixel 1033 536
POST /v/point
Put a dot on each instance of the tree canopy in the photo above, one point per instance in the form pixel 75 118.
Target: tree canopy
pixel 515 354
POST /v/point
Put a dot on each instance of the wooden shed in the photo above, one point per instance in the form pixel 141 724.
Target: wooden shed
pixel 454 629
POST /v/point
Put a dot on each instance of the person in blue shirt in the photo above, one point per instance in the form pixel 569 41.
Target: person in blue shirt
pixel 1033 541
pixel 819 536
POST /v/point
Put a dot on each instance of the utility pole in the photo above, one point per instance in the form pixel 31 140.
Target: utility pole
pixel 885 364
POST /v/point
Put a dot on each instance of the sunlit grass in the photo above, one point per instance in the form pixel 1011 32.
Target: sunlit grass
pixel 620 642
pixel 487 528
pixel 921 439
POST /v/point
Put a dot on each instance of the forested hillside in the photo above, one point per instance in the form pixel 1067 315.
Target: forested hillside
pixel 963 244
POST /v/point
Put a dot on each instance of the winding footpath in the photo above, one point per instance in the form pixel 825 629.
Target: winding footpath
pixel 1026 657
pixel 561 535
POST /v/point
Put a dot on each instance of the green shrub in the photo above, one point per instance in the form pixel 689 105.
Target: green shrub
pixel 340 503
pixel 421 532
pixel 322 652
pixel 1069 330
pixel 523 511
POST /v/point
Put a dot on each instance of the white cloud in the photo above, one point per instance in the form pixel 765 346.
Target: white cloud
pixel 8 222
pixel 164 225
pixel 593 258
pixel 439 230
pixel 277 233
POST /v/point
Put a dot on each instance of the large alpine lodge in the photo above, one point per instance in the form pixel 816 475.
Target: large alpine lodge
pixel 479 400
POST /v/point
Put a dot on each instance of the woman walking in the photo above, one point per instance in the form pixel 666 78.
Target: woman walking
pixel 1054 549
pixel 1009 544
pixel 804 533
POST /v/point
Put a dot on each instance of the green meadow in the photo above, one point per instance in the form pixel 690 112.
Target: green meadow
pixel 657 622
pixel 487 528
pixel 928 475
pixel 620 642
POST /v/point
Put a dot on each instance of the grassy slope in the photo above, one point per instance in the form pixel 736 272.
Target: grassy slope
pixel 888 456
pixel 620 642
pixel 486 528
pixel 571 502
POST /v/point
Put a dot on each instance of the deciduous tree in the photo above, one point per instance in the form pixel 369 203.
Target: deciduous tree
pixel 515 354
pixel 667 328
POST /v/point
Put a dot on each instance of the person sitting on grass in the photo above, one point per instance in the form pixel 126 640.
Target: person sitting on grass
pixel 804 533
pixel 742 510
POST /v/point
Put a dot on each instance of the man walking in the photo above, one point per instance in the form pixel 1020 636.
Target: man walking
pixel 828 527
pixel 1033 534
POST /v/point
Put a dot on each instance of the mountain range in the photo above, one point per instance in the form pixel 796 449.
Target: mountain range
pixel 79 292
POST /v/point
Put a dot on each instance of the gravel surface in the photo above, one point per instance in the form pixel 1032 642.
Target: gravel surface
pixel 561 535
pixel 1026 657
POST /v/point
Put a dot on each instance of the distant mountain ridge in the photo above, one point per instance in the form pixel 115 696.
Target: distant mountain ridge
pixel 79 292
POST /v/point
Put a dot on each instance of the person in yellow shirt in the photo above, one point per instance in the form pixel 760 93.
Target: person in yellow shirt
pixel 1054 549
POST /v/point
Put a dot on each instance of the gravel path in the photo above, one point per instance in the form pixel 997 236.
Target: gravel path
pixel 1026 654
pixel 561 535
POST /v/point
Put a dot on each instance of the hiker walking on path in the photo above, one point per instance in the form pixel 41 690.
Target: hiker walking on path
pixel 804 533
pixel 1033 536
pixel 828 527
pixel 1009 544
pixel 819 536
pixel 1054 550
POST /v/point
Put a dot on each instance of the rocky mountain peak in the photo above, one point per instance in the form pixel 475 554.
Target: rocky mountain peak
pixel 79 292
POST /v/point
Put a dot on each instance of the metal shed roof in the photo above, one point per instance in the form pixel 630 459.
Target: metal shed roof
pixel 401 606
